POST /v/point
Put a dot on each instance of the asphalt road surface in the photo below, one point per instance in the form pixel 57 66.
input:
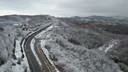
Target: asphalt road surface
pixel 46 65
pixel 33 63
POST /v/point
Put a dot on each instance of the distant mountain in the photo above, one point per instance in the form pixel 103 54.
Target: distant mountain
pixel 111 24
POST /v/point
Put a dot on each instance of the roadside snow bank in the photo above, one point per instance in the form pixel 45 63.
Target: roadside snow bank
pixel 20 64
pixel 43 40
pixel 33 41
pixel 43 43
pixel 33 50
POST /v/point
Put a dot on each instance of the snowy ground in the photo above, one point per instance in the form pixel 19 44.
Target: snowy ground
pixel 12 35
pixel 106 47
pixel 19 64
pixel 23 65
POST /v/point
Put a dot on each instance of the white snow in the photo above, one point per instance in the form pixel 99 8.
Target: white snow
pixel 106 47
pixel 16 24
pixel 24 63
pixel 111 45
pixel 42 33
pixel 14 31
pixel 17 49
pixel 101 48
pixel 43 42
pixel 6 67
pixel 33 50
pixel 33 41
pixel 77 58
pixel 42 45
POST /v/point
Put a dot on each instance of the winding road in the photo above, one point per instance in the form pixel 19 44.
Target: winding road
pixel 33 63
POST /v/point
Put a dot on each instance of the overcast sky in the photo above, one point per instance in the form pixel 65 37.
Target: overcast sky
pixel 65 7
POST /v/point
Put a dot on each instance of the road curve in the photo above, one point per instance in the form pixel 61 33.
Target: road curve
pixel 46 65
pixel 32 61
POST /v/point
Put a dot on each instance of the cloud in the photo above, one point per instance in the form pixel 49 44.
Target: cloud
pixel 65 7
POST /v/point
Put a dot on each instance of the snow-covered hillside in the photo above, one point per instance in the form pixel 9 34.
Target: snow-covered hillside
pixel 72 56
pixel 13 29
pixel 76 44
pixel 11 55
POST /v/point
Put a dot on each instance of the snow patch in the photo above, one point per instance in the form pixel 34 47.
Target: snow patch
pixel 106 47
pixel 111 45
pixel 17 49
pixel 23 66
